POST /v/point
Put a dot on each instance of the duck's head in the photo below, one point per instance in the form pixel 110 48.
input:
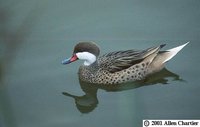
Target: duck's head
pixel 87 51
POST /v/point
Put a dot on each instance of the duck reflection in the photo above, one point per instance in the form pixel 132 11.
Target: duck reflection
pixel 89 101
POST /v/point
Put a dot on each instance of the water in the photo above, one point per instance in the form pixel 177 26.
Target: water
pixel 36 90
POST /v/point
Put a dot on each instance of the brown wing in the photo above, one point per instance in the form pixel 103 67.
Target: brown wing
pixel 119 60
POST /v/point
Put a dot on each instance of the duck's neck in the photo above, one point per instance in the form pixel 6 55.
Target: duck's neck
pixel 88 63
pixel 88 58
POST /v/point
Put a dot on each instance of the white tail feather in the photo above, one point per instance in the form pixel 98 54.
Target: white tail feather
pixel 172 52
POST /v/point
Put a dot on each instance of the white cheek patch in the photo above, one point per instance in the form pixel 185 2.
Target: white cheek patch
pixel 88 57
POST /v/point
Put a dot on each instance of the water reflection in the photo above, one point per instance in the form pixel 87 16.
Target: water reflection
pixel 89 101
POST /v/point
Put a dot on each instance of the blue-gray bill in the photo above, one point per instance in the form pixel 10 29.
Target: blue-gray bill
pixel 66 61
pixel 69 60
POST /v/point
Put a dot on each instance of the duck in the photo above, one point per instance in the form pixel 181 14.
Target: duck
pixel 121 66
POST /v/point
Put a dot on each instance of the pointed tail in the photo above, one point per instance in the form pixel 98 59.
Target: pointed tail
pixel 172 52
